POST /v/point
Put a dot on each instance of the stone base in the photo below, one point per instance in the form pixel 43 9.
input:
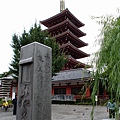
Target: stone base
pixel 112 118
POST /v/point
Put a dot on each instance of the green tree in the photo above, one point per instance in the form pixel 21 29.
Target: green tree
pixel 14 65
pixel 107 58
pixel 5 74
pixel 36 34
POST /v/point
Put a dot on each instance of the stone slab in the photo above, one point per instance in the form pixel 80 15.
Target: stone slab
pixel 34 85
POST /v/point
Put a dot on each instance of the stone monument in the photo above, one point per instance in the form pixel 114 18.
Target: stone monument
pixel 34 85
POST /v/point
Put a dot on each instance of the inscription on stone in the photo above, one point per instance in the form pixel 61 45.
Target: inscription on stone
pixel 26 73
pixel 34 85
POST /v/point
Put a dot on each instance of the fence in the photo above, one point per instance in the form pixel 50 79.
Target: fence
pixel 63 97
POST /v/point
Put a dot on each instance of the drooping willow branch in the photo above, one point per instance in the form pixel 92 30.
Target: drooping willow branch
pixel 107 59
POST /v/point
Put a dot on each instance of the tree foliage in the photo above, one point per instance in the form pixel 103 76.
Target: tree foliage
pixel 107 59
pixel 36 34
pixel 5 74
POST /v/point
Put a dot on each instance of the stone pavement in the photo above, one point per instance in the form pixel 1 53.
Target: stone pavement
pixel 7 115
pixel 67 112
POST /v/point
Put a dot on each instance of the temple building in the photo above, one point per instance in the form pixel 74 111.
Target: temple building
pixel 8 87
pixel 73 79
pixel 65 28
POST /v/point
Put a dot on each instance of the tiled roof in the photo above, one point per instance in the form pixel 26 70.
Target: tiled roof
pixel 70 47
pixel 72 74
pixel 65 12
pixel 74 38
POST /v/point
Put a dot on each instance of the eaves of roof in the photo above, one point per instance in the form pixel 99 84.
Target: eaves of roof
pixel 68 34
pixel 71 26
pixel 78 63
pixel 70 46
pixel 46 22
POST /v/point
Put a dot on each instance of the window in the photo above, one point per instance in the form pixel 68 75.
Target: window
pixel 75 90
pixel 60 91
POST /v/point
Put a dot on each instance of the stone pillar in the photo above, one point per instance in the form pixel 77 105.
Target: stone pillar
pixel 34 84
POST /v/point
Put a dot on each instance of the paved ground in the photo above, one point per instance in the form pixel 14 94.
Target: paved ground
pixel 67 112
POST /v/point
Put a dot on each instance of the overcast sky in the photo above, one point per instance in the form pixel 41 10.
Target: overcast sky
pixel 17 15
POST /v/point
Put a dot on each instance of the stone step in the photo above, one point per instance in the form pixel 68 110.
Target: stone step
pixel 109 119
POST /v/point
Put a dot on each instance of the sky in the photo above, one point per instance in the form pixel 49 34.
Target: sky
pixel 17 15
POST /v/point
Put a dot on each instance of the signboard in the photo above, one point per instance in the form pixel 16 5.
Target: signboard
pixel 96 98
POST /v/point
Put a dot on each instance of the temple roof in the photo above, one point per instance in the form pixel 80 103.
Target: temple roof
pixel 70 26
pixel 8 79
pixel 70 37
pixel 76 64
pixel 61 16
pixel 74 51
pixel 72 74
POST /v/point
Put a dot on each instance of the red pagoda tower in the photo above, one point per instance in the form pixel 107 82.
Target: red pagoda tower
pixel 64 27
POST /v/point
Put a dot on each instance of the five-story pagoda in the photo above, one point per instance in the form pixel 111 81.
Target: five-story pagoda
pixel 64 27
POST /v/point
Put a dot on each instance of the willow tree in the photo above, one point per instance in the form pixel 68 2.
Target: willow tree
pixel 107 58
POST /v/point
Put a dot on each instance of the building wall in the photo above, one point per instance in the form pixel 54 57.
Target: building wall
pixel 71 90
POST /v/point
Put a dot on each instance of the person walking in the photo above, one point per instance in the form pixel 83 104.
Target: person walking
pixel 111 107
pixel 5 105
pixel 14 101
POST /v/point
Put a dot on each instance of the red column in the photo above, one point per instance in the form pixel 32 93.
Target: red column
pixel 68 90
pixel 87 92
pixel 52 91
pixel 105 94
pixel 11 91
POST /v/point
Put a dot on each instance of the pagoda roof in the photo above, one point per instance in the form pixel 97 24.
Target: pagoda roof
pixel 76 52
pixel 77 64
pixel 72 75
pixel 71 37
pixel 70 26
pixel 60 15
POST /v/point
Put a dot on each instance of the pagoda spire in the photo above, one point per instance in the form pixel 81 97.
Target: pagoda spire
pixel 62 5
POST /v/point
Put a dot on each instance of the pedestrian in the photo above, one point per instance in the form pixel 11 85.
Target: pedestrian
pixel 14 101
pixel 111 107
pixel 5 105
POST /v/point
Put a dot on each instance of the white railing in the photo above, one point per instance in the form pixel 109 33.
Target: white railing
pixel 63 97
